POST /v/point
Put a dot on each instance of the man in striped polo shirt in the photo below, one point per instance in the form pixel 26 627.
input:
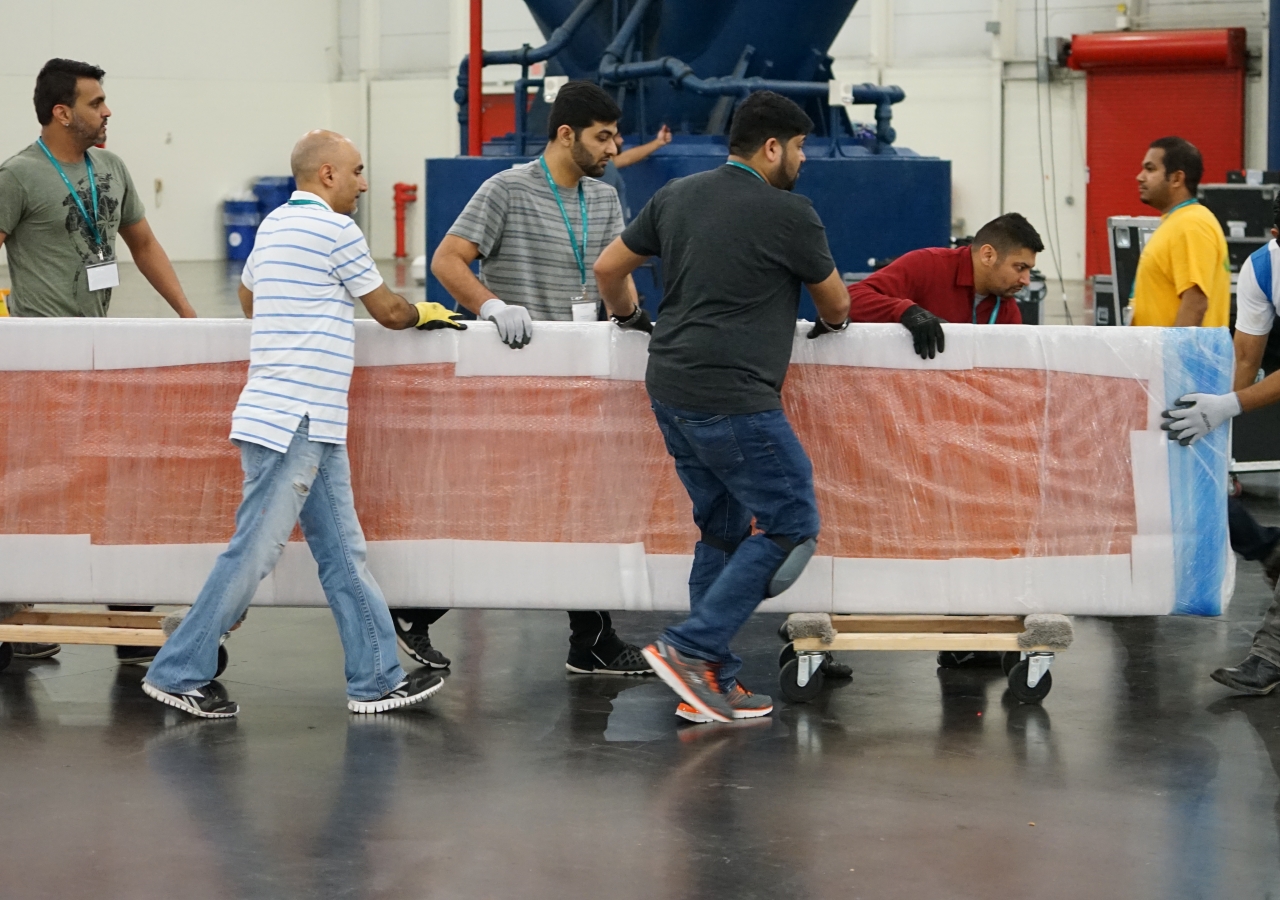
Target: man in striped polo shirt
pixel 537 229
pixel 299 286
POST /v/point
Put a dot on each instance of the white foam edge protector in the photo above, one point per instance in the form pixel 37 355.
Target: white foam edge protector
pixel 579 349
pixel 1149 455
pixel 530 575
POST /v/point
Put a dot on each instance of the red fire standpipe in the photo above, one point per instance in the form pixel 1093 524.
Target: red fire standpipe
pixel 474 69
pixel 404 195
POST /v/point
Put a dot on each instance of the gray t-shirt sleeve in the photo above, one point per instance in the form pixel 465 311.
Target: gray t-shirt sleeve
pixel 131 209
pixel 12 200
pixel 485 216
pixel 641 236
pixel 808 255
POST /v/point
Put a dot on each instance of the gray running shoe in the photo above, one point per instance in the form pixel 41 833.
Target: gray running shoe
pixel 35 651
pixel 745 705
pixel 208 702
pixel 694 680
pixel 420 685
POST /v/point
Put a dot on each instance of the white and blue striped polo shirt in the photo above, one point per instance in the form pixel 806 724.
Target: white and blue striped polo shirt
pixel 308 266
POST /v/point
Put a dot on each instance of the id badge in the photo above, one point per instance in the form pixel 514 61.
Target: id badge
pixel 103 275
pixel 585 310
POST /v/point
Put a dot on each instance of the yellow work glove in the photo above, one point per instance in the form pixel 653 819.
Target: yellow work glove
pixel 432 316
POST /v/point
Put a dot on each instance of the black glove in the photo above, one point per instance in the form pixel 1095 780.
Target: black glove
pixel 926 331
pixel 637 321
pixel 822 327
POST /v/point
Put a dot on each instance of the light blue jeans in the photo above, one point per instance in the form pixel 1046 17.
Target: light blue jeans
pixel 311 484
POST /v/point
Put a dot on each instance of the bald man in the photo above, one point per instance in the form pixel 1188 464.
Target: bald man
pixel 308 266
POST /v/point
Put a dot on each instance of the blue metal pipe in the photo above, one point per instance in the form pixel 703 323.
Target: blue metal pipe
pixel 1273 87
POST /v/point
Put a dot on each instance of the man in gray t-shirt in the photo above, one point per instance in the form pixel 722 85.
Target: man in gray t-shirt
pixel 526 227
pixel 55 237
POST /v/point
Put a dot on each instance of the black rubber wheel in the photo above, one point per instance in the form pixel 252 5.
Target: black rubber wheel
pixel 223 659
pixel 1018 684
pixel 1008 660
pixel 6 656
pixel 786 654
pixel 790 687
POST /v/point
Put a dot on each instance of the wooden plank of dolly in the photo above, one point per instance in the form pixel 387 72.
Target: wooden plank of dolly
pixel 930 624
pixel 81 634
pixel 108 619
pixel 919 641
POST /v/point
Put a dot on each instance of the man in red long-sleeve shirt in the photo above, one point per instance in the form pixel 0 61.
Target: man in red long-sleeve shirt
pixel 924 288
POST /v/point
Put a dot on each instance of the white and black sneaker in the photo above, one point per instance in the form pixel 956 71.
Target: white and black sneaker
pixel 418 645
pixel 208 702
pixel 417 687
pixel 620 658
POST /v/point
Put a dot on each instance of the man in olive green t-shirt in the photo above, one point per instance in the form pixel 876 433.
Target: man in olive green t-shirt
pixel 56 238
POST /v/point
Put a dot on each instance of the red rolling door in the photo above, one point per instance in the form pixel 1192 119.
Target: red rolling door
pixel 1146 85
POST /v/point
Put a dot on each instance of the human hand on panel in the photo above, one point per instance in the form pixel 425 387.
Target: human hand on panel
pixel 1195 415
pixel 515 328
pixel 432 316
pixel 637 321
pixel 926 331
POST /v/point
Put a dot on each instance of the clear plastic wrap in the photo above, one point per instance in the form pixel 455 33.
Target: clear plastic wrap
pixel 1023 472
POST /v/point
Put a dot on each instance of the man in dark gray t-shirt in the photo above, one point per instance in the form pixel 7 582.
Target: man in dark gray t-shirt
pixel 736 245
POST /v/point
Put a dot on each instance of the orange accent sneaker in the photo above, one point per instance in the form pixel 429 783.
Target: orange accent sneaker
pixel 694 680
pixel 745 705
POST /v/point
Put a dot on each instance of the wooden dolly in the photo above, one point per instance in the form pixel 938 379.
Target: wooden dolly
pixel 128 629
pixel 1027 668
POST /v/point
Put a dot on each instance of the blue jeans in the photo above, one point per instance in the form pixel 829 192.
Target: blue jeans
pixel 311 484
pixel 735 468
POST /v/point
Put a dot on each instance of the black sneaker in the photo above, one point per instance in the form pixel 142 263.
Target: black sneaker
pixel 420 685
pixel 969 659
pixel 833 669
pixel 626 660
pixel 35 651
pixel 135 656
pixel 417 644
pixel 208 702
pixel 1254 676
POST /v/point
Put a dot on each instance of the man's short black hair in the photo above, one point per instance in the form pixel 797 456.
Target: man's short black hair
pixel 1180 155
pixel 765 115
pixel 580 104
pixel 1008 233
pixel 56 85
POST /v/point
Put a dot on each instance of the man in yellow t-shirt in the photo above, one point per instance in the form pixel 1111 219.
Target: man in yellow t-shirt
pixel 1184 276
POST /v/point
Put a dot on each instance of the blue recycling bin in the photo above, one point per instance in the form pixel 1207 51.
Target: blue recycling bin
pixel 240 219
pixel 273 191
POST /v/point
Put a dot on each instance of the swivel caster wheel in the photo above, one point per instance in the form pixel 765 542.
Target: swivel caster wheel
pixel 223 659
pixel 786 654
pixel 6 656
pixel 1021 691
pixel 789 680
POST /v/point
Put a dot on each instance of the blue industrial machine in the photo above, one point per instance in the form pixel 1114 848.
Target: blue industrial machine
pixel 687 65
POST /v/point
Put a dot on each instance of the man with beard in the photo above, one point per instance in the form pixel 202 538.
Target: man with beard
pixel 736 244
pixel 537 229
pixel 62 203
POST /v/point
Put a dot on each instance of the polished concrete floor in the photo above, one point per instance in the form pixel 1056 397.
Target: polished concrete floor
pixel 1137 778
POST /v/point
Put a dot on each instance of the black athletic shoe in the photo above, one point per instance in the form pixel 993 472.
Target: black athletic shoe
pixel 208 702
pixel 35 651
pixel 969 659
pixel 135 656
pixel 1253 676
pixel 833 669
pixel 417 644
pixel 420 685
pixel 625 660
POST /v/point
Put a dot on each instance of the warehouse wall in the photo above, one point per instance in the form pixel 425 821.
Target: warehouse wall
pixel 201 101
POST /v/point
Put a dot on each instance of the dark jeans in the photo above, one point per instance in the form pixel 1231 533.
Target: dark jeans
pixel 1250 539
pixel 735 468
pixel 586 628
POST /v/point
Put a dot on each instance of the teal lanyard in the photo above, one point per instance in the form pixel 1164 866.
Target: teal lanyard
pixel 305 202
pixel 738 165
pixel 995 312
pixel 93 193
pixel 1182 204
pixel 579 253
